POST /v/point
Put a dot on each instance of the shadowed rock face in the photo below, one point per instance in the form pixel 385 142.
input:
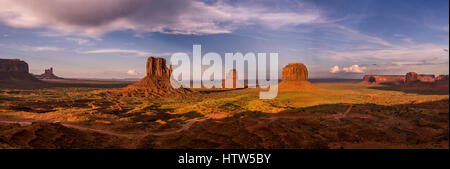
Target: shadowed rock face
pixel 15 71
pixel 295 72
pixel 384 79
pixel 13 65
pixel 411 77
pixel 442 81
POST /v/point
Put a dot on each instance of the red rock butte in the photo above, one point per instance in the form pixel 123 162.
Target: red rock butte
pixel 156 83
pixel 48 74
pixel 15 72
pixel 295 72
pixel 295 78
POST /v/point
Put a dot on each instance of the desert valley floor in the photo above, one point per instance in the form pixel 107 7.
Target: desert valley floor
pixel 84 114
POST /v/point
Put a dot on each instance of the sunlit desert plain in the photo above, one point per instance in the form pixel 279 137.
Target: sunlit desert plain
pixel 84 114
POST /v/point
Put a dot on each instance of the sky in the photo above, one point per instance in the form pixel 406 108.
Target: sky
pixel 334 38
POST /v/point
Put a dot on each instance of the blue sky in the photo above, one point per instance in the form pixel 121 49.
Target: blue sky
pixel 334 38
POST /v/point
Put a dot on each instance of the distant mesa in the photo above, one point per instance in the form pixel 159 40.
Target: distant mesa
pixel 411 79
pixel 442 79
pixel 384 79
pixel 156 83
pixel 15 73
pixel 48 74
pixel 295 78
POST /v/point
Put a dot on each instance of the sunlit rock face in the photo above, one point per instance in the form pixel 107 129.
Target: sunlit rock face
pixel 156 83
pixel 156 67
pixel 295 78
pixel 295 72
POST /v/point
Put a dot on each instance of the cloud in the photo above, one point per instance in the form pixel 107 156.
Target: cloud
pixel 44 48
pixel 354 69
pixel 443 28
pixel 351 69
pixel 94 18
pixel 132 72
pixel 407 40
pixel 121 51
pixel 125 51
pixel 335 69
pixel 79 41
pixel 355 35
pixel 411 52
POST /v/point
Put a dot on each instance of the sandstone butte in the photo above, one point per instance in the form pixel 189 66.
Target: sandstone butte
pixel 14 73
pixel 156 83
pixel 295 78
pixel 48 74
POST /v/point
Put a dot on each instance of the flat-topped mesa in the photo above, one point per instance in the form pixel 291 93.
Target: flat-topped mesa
pixel 13 65
pixel 414 77
pixel 156 67
pixel 411 79
pixel 381 79
pixel 295 72
pixel 442 78
pixel 295 78
pixel 15 73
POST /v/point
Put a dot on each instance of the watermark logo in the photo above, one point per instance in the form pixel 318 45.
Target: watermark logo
pixel 262 71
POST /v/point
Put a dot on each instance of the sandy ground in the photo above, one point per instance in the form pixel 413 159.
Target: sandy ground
pixel 339 115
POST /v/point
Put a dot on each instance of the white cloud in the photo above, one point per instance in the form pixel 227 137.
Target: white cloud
pixel 411 52
pixel 44 48
pixel 132 72
pixel 351 69
pixel 94 18
pixel 79 41
pixel 125 51
pixel 354 69
pixel 335 69
pixel 355 35
pixel 122 51
pixel 408 40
